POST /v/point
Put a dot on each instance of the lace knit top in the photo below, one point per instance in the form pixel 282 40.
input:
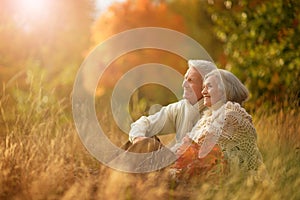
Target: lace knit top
pixel 229 126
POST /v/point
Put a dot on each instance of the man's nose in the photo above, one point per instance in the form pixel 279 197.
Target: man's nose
pixel 184 83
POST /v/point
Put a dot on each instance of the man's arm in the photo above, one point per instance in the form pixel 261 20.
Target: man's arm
pixel 161 122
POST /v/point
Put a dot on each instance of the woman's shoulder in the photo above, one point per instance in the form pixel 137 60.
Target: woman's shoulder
pixel 236 110
pixel 238 121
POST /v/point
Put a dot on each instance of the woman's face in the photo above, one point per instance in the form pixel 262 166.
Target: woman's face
pixel 211 92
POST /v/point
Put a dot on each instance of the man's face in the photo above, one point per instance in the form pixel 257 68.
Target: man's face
pixel 211 91
pixel 192 85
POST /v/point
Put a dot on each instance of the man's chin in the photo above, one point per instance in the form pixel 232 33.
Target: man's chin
pixel 186 97
pixel 191 101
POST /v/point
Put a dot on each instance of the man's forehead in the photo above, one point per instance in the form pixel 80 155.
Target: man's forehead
pixel 193 71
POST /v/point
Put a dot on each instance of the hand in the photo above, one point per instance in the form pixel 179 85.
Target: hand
pixel 137 139
pixel 186 141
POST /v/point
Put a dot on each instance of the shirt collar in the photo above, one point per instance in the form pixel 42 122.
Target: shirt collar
pixel 200 105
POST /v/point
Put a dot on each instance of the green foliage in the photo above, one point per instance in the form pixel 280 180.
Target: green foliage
pixel 262 45
pixel 198 24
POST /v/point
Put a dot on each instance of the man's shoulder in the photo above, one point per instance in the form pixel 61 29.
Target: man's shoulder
pixel 179 104
pixel 176 107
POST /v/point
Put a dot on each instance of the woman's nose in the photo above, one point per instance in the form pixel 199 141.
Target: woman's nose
pixel 204 91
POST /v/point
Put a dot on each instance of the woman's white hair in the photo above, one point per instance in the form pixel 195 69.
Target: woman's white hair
pixel 234 89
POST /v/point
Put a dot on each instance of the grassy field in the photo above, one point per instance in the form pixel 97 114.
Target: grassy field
pixel 42 157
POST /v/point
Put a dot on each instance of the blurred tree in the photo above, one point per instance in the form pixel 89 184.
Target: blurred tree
pixel 262 46
pixel 131 14
pixel 122 16
pixel 198 24
pixel 49 34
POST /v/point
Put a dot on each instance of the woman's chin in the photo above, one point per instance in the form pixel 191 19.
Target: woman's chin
pixel 207 103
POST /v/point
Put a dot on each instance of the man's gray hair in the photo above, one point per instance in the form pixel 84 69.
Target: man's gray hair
pixel 202 66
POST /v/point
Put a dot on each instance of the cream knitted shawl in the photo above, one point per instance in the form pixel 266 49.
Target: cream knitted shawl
pixel 231 127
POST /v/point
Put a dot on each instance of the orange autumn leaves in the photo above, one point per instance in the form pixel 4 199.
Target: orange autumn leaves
pixel 129 15
pixel 134 14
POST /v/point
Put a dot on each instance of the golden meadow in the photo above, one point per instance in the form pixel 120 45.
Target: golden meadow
pixel 42 157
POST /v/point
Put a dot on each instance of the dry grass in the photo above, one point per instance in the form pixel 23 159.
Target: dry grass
pixel 41 157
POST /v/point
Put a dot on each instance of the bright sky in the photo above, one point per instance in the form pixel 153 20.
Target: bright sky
pixel 36 8
pixel 32 7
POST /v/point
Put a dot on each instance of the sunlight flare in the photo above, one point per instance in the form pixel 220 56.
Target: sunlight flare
pixel 32 8
pixel 31 13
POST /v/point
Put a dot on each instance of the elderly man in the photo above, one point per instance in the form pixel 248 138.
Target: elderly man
pixel 179 117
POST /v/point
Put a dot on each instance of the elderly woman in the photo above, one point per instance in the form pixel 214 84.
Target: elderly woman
pixel 224 139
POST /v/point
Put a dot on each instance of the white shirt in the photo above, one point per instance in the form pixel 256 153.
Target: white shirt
pixel 179 118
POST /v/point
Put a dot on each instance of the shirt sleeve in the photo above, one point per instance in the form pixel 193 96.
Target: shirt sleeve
pixel 162 122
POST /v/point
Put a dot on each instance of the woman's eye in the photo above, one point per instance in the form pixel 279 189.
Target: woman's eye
pixel 209 86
